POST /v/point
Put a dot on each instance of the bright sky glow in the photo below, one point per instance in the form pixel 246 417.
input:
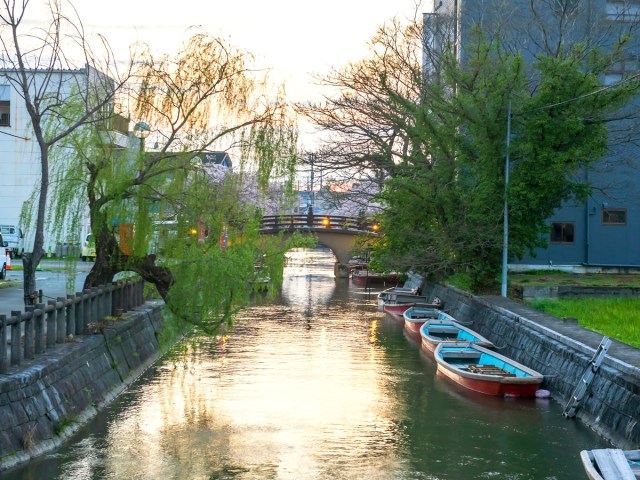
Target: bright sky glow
pixel 293 37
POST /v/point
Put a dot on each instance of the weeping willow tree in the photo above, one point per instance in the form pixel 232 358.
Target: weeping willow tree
pixel 161 213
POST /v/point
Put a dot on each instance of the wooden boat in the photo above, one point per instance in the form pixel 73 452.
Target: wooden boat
pixel 367 278
pixel 434 332
pixel 396 310
pixel 408 293
pixel 415 317
pixel 485 371
pixel 611 463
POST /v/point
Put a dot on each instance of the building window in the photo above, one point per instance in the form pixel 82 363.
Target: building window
pixel 5 120
pixel 625 67
pixel 614 216
pixel 4 114
pixel 623 11
pixel 562 232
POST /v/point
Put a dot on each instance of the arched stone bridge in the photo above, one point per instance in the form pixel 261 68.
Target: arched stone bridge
pixel 336 232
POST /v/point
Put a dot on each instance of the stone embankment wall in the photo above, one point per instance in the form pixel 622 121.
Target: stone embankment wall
pixel 44 403
pixel 612 408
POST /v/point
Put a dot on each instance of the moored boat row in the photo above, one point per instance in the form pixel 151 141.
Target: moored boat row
pixel 461 354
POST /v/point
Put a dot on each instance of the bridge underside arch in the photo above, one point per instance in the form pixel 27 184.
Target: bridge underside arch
pixel 341 242
pixel 341 245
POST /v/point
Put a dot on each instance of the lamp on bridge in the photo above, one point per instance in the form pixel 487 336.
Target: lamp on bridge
pixel 326 222
pixel 375 227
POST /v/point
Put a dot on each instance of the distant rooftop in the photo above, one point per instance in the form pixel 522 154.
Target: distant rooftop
pixel 216 158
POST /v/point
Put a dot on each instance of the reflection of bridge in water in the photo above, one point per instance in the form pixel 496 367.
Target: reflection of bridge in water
pixel 336 232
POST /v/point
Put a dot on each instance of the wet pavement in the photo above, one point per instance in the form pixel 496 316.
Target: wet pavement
pixel 52 279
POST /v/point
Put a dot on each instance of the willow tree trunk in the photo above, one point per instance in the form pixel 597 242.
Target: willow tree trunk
pixel 30 261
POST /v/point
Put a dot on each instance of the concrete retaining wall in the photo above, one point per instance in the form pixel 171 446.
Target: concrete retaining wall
pixel 613 407
pixel 44 403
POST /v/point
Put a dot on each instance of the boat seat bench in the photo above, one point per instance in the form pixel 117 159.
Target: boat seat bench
pixel 468 355
pixel 490 370
pixel 451 330
pixel 613 465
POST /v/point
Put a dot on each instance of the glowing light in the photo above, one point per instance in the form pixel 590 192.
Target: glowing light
pixel 375 227
pixel 326 221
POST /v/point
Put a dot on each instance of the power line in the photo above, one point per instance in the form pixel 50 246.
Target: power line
pixel 16 136
pixel 595 92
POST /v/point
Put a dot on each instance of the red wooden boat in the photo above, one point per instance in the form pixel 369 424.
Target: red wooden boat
pixel 367 278
pixel 443 329
pixel 396 310
pixel 485 371
pixel 415 316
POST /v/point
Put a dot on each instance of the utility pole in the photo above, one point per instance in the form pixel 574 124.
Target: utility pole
pixel 311 159
pixel 505 231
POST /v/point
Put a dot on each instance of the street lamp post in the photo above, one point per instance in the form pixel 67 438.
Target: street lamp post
pixel 141 130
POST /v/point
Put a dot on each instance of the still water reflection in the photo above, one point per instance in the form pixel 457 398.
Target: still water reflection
pixel 316 385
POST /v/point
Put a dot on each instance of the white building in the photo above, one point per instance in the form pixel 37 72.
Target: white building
pixel 19 151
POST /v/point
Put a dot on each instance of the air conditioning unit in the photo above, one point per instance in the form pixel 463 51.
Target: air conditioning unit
pixel 4 119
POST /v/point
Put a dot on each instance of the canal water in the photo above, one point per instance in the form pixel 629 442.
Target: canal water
pixel 315 385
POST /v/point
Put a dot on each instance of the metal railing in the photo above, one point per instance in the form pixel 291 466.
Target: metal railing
pixel 42 327
pixel 316 221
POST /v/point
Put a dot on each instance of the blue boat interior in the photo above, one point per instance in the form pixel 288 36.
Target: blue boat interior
pixel 449 332
pixel 466 358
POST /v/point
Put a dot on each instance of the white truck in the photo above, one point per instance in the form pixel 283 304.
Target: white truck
pixel 14 237
pixel 5 257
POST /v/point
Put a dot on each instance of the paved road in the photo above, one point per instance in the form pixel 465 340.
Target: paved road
pixel 52 280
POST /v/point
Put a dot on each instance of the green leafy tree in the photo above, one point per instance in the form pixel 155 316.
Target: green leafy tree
pixel 444 162
pixel 163 214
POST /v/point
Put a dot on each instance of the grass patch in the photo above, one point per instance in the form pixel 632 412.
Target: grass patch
pixel 9 283
pixel 617 318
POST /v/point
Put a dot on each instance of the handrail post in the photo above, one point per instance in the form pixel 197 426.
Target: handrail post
pixel 79 314
pixel 71 315
pixel 39 324
pixel 86 307
pixel 140 289
pixel 3 344
pixel 98 303
pixel 115 299
pixel 127 296
pixel 109 301
pixel 61 320
pixel 29 351
pixel 51 323
pixel 15 337
pixel 94 305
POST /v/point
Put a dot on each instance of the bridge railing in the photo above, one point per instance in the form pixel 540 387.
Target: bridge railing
pixel 315 221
